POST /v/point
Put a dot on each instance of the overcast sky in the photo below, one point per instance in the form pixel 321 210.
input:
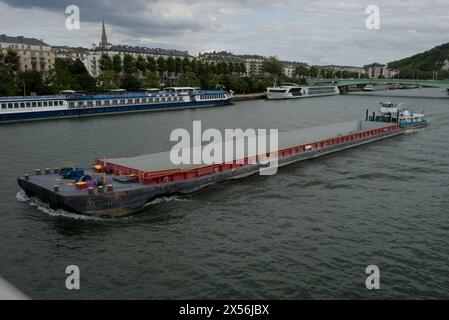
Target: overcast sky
pixel 313 31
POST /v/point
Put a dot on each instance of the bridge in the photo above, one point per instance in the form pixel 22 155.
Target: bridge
pixel 444 84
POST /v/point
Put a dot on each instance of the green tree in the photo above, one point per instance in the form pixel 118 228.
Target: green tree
pixel 301 71
pixel 188 79
pixel 193 66
pixel 129 65
pixel 313 72
pixel 273 66
pixel 186 65
pixel 12 60
pixel 239 84
pixel 171 64
pixel 107 80
pixel 105 62
pixel 178 65
pixel 61 76
pixel 151 64
pixel 117 63
pixel 141 64
pixel 33 82
pixel 152 80
pixel 161 65
pixel 130 83
pixel 7 85
pixel 242 68
pixel 83 79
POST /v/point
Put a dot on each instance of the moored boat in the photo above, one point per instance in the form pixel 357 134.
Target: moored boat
pixel 295 91
pixel 371 87
pixel 16 109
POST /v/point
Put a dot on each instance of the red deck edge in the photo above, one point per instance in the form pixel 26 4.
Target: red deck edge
pixel 174 175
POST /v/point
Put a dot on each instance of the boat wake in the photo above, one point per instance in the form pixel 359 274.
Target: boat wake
pixel 43 207
pixel 167 199
pixel 22 197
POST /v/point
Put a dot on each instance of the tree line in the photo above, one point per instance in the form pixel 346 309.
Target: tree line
pixel 134 73
pixel 131 73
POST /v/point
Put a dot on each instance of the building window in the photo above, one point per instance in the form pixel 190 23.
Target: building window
pixel 16 105
pixel 45 104
pixel 10 106
pixel 22 104
pixel 3 105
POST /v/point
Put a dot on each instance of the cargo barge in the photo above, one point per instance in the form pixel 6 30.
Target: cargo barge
pixel 122 186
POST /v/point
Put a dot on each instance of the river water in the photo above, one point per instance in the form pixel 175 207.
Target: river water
pixel 310 231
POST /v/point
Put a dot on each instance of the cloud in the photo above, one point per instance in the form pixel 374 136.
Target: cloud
pixel 318 31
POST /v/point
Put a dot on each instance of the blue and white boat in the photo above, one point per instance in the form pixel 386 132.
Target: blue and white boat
pixel 398 113
pixel 16 109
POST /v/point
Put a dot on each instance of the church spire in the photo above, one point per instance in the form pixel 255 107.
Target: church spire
pixel 104 38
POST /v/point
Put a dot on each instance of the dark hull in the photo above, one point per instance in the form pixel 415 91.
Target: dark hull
pixel 134 196
pixel 95 111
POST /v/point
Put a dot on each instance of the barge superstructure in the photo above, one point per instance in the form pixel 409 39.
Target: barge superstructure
pixel 122 186
pixel 398 113
pixel 17 109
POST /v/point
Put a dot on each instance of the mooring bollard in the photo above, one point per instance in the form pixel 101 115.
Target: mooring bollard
pixel 47 170
pixel 56 170
pixel 90 190
pixel 38 172
pixel 56 188
pixel 110 188
pixel 100 189
pixel 27 177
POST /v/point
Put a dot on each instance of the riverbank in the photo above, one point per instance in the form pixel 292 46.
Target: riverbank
pixel 249 96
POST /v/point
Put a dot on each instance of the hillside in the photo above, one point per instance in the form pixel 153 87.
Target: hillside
pixel 427 61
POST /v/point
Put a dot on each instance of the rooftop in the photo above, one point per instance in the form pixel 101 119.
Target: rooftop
pixel 144 50
pixel 69 49
pixel 21 40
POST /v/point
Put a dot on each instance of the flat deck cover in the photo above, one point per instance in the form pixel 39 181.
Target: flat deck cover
pixel 161 161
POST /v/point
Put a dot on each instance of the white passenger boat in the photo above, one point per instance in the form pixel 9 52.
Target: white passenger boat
pixel 295 91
